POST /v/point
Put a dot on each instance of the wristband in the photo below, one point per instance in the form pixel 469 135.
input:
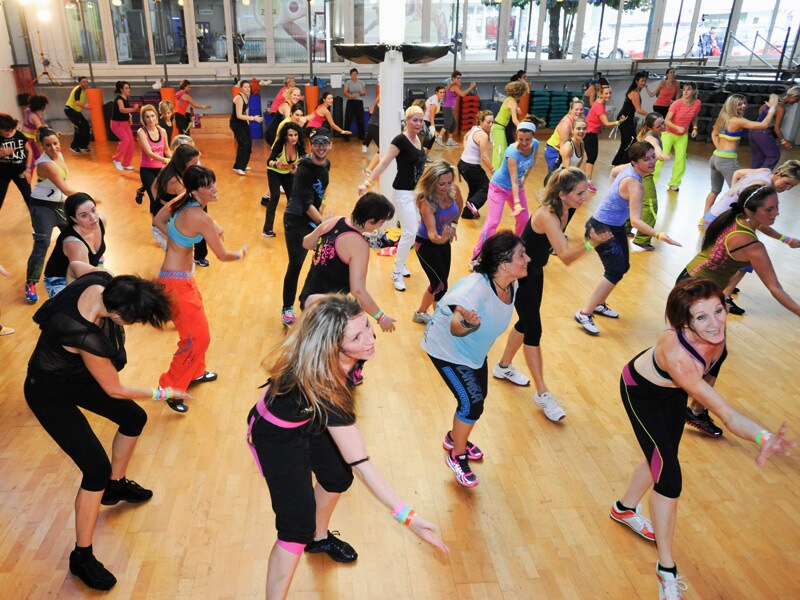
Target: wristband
pixel 517 202
pixel 783 140
pixel 367 183
pixel 403 513
pixel 378 315
pixel 762 437
pixel 466 324
pixel 238 256
pixel 772 109
pixel 660 236
pixel 588 246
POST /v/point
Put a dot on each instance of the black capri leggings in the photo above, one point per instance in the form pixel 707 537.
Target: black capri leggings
pixel 590 145
pixel 615 255
pixel 657 416
pixel 55 403
pixel 373 135
pixel 435 261
pixel 288 457
pixel 477 181
pixel 528 303
pixel 276 180
pixel 148 176
pixel 295 228
pixel 468 385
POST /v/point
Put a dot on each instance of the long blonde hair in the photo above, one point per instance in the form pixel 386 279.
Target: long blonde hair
pixel 728 111
pixel 426 186
pixel 308 359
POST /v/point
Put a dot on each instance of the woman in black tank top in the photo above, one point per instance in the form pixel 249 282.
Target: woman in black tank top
pixel 240 125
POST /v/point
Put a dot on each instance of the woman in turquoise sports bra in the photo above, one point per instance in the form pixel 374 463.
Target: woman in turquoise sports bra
pixel 185 223
pixel 728 130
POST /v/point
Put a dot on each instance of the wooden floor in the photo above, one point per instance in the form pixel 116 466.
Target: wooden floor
pixel 537 526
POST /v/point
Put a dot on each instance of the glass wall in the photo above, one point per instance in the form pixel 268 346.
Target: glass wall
pixel 365 21
pixel 81 44
pixel 559 29
pixel 482 29
pixel 210 30
pixel 169 31
pixel 677 27
pixel 250 35
pixel 130 32
pixel 291 30
pixel 518 31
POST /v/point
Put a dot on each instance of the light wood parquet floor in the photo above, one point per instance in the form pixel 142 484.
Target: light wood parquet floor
pixel 537 526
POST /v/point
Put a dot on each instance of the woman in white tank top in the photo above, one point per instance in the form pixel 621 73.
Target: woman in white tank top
pixel 477 154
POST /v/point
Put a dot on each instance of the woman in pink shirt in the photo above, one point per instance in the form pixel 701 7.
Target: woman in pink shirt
pixel 681 114
pixel 595 121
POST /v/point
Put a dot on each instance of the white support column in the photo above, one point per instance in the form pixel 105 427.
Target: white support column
pixel 391 29
pixel 540 30
pixel 693 29
pixel 577 45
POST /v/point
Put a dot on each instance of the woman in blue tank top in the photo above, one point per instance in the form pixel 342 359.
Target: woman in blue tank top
pixel 185 223
pixel 623 200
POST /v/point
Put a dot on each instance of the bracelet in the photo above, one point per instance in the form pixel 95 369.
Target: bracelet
pixel 517 202
pixel 786 239
pixel 772 109
pixel 378 315
pixel 783 140
pixel 160 393
pixel 660 236
pixel 588 246
pixel 404 513
pixel 367 183
pixel 466 324
pixel 694 127
pixel 762 437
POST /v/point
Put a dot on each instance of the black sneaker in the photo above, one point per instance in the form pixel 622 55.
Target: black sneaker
pixel 264 200
pixel 202 262
pixel 124 489
pixel 733 308
pixel 91 571
pixel 337 549
pixel 703 423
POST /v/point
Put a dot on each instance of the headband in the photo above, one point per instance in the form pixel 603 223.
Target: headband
pixel 753 193
pixel 526 126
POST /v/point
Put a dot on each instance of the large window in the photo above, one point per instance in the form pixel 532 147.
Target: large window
pixel 249 39
pixel 559 29
pixel 82 43
pixel 291 30
pixel 518 39
pixel 169 31
pixel 482 31
pixel 130 32
pixel 210 33
pixel 365 22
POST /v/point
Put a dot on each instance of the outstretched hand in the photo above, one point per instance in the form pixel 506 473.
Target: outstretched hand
pixel 427 531
pixel 667 240
pixel 777 445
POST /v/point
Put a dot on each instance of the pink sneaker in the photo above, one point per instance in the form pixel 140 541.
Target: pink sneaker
pixel 590 186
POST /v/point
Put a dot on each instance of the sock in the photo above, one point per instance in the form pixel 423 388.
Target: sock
pixel 82 553
pixel 697 413
pixel 672 570
pixel 621 507
pixel 325 537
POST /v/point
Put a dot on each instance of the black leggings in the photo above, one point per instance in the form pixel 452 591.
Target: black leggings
pixel 55 403
pixel 244 143
pixel 82 134
pixel 477 181
pixel 435 261
pixel 591 146
pixel 615 255
pixel 528 302
pixel 657 416
pixel 373 135
pixel 627 133
pixel 6 177
pixel 288 457
pixel 148 176
pixel 276 180
pixel 468 385
pixel 295 228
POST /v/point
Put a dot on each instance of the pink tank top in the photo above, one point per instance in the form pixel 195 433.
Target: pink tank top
pixel 316 121
pixel 157 148
pixel 666 95
pixel 182 104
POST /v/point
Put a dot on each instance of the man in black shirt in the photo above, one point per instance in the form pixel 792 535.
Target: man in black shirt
pixel 303 213
pixel 13 158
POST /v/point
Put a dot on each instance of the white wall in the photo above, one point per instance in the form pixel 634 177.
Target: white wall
pixel 8 91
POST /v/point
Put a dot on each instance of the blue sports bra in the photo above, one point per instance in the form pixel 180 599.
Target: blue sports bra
pixel 176 236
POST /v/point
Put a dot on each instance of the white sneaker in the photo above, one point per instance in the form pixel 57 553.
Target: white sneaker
pixel 587 322
pixel 239 171
pixel 552 409
pixel 451 142
pixel 511 374
pixel 673 188
pixel 248 168
pixel 399 284
pixel 128 168
pixel 406 272
pixel 118 165
pixel 421 317
pixel 363 149
pixel 669 586
pixel 602 309
pixel 439 140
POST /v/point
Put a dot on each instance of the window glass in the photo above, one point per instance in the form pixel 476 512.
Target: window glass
pixel 291 33
pixel 756 31
pixel 365 26
pixel 559 29
pixel 598 20
pixel 250 38
pixel 634 28
pixel 130 33
pixel 209 23
pixel 518 31
pixel 94 34
pixel 482 28
pixel 680 19
pixel 169 31
pixel 709 39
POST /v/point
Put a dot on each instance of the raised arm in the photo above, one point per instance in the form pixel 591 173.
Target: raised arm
pixel 762 265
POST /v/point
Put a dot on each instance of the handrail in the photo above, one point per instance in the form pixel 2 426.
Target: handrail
pixel 750 50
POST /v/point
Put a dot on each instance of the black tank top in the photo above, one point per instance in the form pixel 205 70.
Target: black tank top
pixel 234 118
pixel 537 246
pixel 328 273
pixel 58 262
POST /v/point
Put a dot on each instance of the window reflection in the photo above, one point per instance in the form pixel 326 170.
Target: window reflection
pixel 291 20
pixel 169 31
pixel 130 33
pixel 250 37
pixel 94 32
pixel 210 31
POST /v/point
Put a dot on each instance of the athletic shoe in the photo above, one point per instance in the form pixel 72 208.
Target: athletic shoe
pixel 269 234
pixel 206 377
pixel 646 246
pixel 733 308
pixel 248 168
pixel 630 234
pixel 602 309
pixel 470 207
pixel 473 452
pixel 74 151
pixel 117 165
pixel 670 587
pixel 587 322
pixel 547 402
pixel 91 571
pixel 735 290
pixel 139 195
pixel 337 549
pixel 6 330
pixel 124 489
pixel 239 171
pixel 703 423
pixel 399 284
pixel 439 140
pixel 673 188
pixel 421 317
pixel 287 316
pixel 511 374
pixel 634 520
pixel 461 469
pixel 451 142
pixel 128 168
pixel 85 150
pixel 264 200
pixel 202 262
pixel 471 264
pixel 406 272
pixel 363 149
pixel 30 292
pixel 590 186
